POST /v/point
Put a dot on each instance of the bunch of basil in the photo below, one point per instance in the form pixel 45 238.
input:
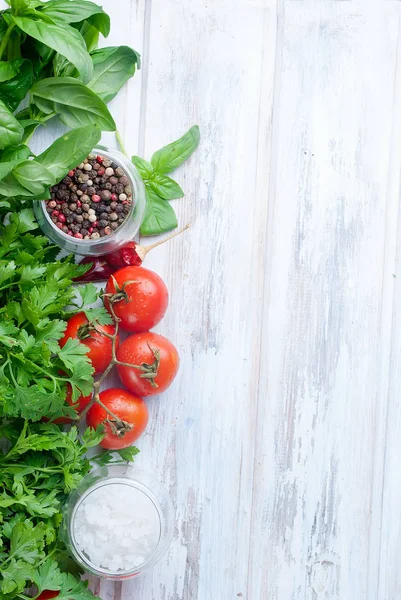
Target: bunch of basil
pixel 48 49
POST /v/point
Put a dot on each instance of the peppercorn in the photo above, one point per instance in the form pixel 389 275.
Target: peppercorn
pixel 119 208
pixel 113 216
pixel 85 207
pixel 79 219
pixel 72 206
pixel 105 194
pixel 107 230
pixel 102 223
pixel 65 228
pixel 90 191
pixel 78 211
pixel 52 204
pixel 119 188
pixel 114 225
pixel 84 231
pixel 113 180
pixel 86 223
pixel 103 215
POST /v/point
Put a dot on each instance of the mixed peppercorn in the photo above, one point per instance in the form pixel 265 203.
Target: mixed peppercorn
pixel 92 201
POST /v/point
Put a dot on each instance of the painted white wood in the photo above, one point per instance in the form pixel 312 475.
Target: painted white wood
pixel 279 440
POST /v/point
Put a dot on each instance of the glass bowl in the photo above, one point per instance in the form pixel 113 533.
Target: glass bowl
pixel 146 486
pixel 118 238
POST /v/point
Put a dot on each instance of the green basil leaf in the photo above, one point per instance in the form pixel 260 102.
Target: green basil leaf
pixel 101 22
pixel 112 67
pixel 76 104
pixel 90 35
pixel 7 71
pixel 69 150
pixel 21 6
pixel 34 176
pixel 10 187
pixel 63 39
pixel 165 187
pixel 159 215
pixel 17 153
pixel 172 156
pixel 74 11
pixel 144 167
pixel 13 91
pixel 10 130
pixel 11 157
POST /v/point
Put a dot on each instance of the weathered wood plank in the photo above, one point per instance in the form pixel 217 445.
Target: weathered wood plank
pixel 327 309
pixel 207 66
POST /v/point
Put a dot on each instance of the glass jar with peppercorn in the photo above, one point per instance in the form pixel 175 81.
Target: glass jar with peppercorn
pixel 97 207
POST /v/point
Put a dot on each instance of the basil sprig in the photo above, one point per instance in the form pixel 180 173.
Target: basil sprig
pixel 159 215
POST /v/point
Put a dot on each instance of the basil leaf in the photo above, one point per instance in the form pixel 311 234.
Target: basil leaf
pixel 7 71
pixel 172 156
pixel 12 157
pixel 76 104
pixel 64 39
pixel 144 167
pixel 10 130
pixel 69 150
pixel 165 187
pixel 101 21
pixel 33 176
pixel 74 11
pixel 18 153
pixel 112 67
pixel 90 35
pixel 9 186
pixel 13 91
pixel 159 215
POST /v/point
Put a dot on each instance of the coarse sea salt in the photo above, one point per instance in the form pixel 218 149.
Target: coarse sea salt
pixel 117 527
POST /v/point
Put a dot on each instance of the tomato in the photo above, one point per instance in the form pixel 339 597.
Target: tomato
pixel 47 594
pixel 132 411
pixel 100 346
pixel 141 298
pixel 153 354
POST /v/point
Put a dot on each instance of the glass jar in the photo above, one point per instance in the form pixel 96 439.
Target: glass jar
pixel 152 497
pixel 125 233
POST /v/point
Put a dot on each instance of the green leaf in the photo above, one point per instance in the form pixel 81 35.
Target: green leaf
pixel 144 167
pixel 89 293
pixel 98 314
pixel 69 150
pixel 90 35
pixel 8 332
pixel 165 187
pixel 14 576
pixel 13 91
pixel 7 71
pixel 159 215
pixel 48 576
pixel 15 154
pixel 112 67
pixel 72 350
pixel 7 271
pixel 76 104
pixel 63 39
pixel 33 176
pixel 10 130
pixel 24 220
pixel 173 155
pixel 74 11
pixel 101 22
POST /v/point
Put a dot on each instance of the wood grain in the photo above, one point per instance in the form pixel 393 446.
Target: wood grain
pixel 279 440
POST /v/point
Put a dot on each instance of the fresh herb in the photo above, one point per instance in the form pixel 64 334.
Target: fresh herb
pixel 159 215
pixel 37 472
pixel 50 49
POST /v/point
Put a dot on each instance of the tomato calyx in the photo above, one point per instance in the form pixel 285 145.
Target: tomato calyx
pixel 118 427
pixel 149 371
pixel 120 292
pixel 85 331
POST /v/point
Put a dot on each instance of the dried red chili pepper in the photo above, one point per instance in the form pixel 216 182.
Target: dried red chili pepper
pixel 132 254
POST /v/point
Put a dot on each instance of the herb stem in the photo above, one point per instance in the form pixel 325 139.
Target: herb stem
pixel 121 143
pixel 6 37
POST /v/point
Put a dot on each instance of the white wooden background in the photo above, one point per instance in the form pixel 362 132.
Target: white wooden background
pixel 280 439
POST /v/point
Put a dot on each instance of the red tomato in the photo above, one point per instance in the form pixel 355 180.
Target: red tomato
pixel 154 355
pixel 47 594
pixel 100 346
pixel 143 298
pixel 131 409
